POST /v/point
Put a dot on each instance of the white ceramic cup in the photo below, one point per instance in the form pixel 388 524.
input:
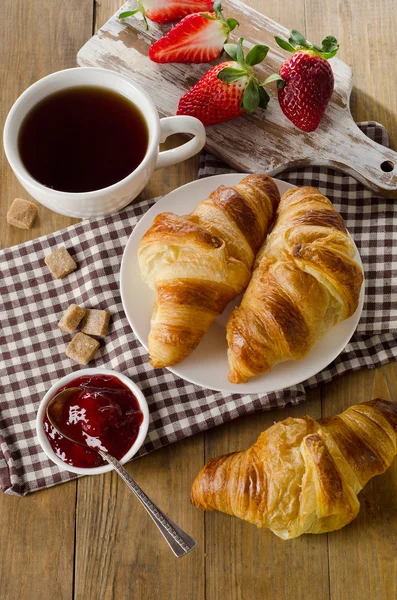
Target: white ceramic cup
pixel 44 442
pixel 113 198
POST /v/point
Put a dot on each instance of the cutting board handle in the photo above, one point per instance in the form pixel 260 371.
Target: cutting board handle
pixel 371 163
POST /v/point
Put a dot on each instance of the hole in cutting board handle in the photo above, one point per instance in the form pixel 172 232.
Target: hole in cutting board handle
pixel 387 166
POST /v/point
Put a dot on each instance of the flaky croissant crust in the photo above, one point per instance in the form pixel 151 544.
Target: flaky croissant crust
pixel 305 281
pixel 303 476
pixel 200 262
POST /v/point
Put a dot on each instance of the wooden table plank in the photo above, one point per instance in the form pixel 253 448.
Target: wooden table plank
pixel 243 561
pixel 37 532
pixel 119 552
pixel 37 545
pixel 38 38
pixel 369 542
pixel 365 30
pixel 246 562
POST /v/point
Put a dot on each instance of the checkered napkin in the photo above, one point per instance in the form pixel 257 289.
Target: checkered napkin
pixel 32 346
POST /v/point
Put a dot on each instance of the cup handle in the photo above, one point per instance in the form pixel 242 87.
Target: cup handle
pixel 180 124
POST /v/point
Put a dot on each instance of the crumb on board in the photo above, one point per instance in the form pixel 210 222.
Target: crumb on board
pixel 60 263
pixel 22 214
pixel 82 348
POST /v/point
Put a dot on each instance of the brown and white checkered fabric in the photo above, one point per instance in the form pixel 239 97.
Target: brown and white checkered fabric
pixel 32 347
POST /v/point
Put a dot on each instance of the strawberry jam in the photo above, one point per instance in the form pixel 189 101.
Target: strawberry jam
pixel 103 414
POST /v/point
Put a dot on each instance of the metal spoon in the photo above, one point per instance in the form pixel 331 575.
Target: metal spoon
pixel 180 542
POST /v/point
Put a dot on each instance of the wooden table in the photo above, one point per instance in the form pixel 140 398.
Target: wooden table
pixel 89 539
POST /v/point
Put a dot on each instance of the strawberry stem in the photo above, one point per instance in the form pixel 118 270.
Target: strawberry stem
pixel 228 25
pixel 240 51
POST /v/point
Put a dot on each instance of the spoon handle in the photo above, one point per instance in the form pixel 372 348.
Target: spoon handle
pixel 180 542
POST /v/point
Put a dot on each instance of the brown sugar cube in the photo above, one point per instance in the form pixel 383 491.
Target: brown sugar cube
pixel 82 348
pixel 71 318
pixel 22 213
pixel 60 263
pixel 95 322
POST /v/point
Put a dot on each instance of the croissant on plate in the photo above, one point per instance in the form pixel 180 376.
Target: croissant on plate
pixel 305 281
pixel 198 263
pixel 302 475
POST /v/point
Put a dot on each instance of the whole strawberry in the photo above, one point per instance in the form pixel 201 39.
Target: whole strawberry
pixel 229 89
pixel 167 11
pixel 305 81
pixel 198 38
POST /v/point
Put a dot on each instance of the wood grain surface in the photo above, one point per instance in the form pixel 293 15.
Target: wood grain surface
pixel 90 540
pixel 264 140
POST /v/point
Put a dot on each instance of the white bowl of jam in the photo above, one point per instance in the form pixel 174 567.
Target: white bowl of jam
pixel 108 411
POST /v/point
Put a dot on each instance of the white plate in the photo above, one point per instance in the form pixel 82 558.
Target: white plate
pixel 207 366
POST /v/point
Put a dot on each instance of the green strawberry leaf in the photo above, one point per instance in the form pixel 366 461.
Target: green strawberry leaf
pixel 329 46
pixel 240 51
pixel 128 13
pixel 232 24
pixel 256 55
pixel 284 45
pixel 264 98
pixel 228 24
pixel 251 97
pixel 297 40
pixel 273 77
pixel 229 74
pixel 206 16
pixel 231 50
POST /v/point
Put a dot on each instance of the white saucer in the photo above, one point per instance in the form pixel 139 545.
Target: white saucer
pixel 207 366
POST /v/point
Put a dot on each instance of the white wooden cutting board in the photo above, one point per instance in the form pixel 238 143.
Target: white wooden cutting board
pixel 266 140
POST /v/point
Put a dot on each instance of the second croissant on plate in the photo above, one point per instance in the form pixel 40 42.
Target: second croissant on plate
pixel 305 281
pixel 198 263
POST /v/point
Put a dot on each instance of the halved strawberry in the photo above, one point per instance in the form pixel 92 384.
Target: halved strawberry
pixel 167 11
pixel 227 90
pixel 305 81
pixel 198 38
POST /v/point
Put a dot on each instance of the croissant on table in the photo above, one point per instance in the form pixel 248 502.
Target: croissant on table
pixel 198 263
pixel 305 281
pixel 302 475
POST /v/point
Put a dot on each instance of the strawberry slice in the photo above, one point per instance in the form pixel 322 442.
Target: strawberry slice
pixel 227 90
pixel 198 38
pixel 305 81
pixel 167 11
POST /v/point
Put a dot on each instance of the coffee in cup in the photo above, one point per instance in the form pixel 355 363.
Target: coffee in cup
pixel 82 139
